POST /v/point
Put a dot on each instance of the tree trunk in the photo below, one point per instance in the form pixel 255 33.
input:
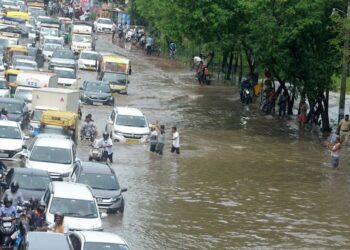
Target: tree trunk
pixel 224 61
pixel 229 68
pixel 291 102
pixel 240 68
pixel 235 67
pixel 324 115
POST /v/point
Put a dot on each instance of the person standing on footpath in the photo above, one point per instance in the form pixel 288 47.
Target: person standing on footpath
pixel 335 148
pixel 161 140
pixel 114 30
pixel 343 130
pixel 176 141
pixel 153 139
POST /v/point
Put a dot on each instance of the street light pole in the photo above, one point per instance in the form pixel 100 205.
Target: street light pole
pixel 344 72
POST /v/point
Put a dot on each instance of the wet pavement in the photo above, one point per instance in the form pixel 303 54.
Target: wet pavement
pixel 242 180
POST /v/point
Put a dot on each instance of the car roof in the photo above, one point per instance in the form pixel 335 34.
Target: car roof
pixel 11 100
pixel 8 123
pixel 93 236
pixel 31 171
pixel 44 240
pixel 53 44
pixel 52 37
pixel 89 52
pixel 101 18
pixel 95 168
pixel 129 111
pixel 64 190
pixel 58 142
pixel 50 135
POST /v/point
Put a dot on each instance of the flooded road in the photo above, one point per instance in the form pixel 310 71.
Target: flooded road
pixel 242 180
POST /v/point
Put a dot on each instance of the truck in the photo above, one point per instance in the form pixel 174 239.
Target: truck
pixel 55 99
pixel 37 79
pixel 81 38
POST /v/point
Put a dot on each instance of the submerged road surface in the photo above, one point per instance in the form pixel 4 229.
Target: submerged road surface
pixel 242 180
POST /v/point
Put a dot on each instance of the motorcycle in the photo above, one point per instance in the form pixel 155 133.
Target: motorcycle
pixel 246 97
pixel 7 228
pixel 88 134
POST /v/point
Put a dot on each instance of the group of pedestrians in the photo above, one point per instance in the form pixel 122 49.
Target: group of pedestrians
pixel 157 139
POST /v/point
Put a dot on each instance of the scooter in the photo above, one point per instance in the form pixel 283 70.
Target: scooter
pixel 7 228
pixel 95 153
pixel 88 135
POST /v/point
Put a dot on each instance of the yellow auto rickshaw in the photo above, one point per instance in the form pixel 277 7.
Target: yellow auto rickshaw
pixel 11 77
pixel 13 50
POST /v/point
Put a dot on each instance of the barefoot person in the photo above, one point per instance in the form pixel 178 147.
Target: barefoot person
pixel 344 130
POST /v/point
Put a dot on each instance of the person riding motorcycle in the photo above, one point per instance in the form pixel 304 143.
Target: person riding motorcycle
pixel 8 210
pixel 59 225
pixel 106 143
pixel 245 86
pixel 37 217
pixel 14 194
pixel 88 125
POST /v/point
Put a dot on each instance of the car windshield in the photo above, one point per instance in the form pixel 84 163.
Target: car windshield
pixel 82 38
pixel 3 84
pixel 88 56
pixel 66 54
pixel 36 115
pixel 53 41
pixel 49 32
pixel 104 246
pixel 99 181
pixel 51 154
pixel 131 121
pixel 74 207
pixel 24 94
pixel 98 87
pixel 6 42
pixel 52 46
pixel 105 21
pixel 25 65
pixel 70 74
pixel 32 182
pixel 12 108
pixel 114 78
pixel 8 132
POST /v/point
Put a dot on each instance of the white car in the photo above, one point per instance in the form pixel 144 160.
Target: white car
pixel 66 76
pixel 88 60
pixel 11 138
pixel 49 48
pixel 128 125
pixel 24 64
pixel 4 89
pixel 97 240
pixel 76 202
pixel 53 154
pixel 103 25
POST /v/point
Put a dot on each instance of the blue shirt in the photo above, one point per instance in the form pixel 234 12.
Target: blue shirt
pixel 8 211
pixel 149 41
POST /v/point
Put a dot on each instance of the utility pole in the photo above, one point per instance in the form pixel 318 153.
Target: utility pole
pixel 344 72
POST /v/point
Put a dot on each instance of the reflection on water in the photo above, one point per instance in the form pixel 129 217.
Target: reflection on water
pixel 242 180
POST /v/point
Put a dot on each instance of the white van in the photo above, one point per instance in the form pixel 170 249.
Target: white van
pixel 35 79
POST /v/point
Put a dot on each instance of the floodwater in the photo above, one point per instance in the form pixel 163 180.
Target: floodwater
pixel 242 181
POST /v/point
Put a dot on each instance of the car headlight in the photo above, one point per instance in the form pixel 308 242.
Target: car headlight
pixel 111 98
pixel 114 199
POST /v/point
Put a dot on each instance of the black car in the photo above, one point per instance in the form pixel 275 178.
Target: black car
pixel 97 92
pixel 104 183
pixel 17 110
pixel 32 182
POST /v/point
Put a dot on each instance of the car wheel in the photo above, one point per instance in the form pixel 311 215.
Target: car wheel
pixel 121 210
pixel 90 158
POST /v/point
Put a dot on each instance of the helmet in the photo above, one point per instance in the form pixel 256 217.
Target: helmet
pixel 4 111
pixel 42 207
pixel 88 116
pixel 14 187
pixel 7 202
pixel 105 135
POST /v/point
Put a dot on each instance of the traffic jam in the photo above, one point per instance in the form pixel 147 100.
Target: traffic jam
pixel 52 197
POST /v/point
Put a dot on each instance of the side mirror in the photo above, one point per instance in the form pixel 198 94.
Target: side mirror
pixel 124 190
pixel 103 215
pixel 81 88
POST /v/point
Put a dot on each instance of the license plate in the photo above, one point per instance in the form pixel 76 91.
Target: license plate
pixel 4 155
pixel 97 103
pixel 132 140
pixel 7 224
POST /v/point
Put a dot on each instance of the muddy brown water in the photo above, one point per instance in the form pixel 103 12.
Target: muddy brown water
pixel 242 181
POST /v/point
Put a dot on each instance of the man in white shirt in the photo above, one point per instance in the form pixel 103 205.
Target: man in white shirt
pixel 176 141
pixel 106 143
